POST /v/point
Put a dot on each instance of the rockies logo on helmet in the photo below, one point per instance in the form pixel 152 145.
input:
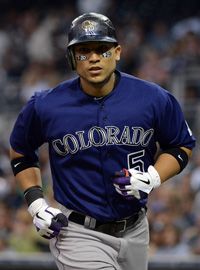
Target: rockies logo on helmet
pixel 89 27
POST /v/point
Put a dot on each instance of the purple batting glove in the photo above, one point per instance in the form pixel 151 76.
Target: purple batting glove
pixel 47 220
pixel 121 182
pixel 57 223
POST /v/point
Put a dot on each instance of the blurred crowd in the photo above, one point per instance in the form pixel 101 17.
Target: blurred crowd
pixel 32 58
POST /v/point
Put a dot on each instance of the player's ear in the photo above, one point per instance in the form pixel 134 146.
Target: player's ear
pixel 117 52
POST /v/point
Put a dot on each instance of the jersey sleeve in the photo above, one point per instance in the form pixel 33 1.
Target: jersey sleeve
pixel 172 128
pixel 26 136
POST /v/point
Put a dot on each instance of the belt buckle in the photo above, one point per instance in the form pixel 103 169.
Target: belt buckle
pixel 124 225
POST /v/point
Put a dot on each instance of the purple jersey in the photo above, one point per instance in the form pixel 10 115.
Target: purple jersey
pixel 90 138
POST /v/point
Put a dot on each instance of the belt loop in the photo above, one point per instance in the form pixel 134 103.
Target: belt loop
pixel 124 222
pixel 65 210
pixel 90 222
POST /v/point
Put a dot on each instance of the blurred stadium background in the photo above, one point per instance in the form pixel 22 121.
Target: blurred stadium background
pixel 161 43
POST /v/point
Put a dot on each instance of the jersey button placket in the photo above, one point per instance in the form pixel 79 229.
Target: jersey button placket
pixel 103 115
pixel 104 152
pixel 105 118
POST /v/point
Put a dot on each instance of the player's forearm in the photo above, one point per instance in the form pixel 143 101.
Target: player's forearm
pixel 28 177
pixel 167 166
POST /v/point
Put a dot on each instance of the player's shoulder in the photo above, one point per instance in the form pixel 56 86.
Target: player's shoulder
pixel 145 87
pixel 136 81
pixel 47 99
pixel 57 90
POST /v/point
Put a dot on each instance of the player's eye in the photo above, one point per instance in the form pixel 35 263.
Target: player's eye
pixel 102 49
pixel 98 50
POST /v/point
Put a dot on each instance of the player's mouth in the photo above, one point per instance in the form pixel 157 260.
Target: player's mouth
pixel 95 70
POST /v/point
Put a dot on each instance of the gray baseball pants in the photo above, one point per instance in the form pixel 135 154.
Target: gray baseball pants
pixel 79 248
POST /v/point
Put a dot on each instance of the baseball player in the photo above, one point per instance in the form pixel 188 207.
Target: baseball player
pixel 103 129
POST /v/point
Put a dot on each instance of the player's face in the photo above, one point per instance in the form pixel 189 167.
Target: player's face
pixel 96 61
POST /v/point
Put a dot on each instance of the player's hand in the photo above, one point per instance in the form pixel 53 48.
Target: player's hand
pixel 130 182
pixel 47 220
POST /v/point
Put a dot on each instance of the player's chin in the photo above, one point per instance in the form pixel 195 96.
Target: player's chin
pixel 96 74
pixel 96 79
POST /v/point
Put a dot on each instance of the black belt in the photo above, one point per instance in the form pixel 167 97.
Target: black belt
pixel 111 228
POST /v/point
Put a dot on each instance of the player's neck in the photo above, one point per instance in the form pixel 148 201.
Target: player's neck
pixel 98 89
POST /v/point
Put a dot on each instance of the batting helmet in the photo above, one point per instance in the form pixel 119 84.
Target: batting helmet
pixel 87 28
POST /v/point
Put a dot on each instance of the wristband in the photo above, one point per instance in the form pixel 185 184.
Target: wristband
pixel 33 193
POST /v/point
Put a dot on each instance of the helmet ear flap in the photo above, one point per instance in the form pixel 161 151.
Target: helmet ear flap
pixel 70 58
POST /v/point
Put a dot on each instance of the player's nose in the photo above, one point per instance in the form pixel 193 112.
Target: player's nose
pixel 94 56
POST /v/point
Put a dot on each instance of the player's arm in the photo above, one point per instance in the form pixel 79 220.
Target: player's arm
pixel 175 143
pixel 47 220
pixel 25 139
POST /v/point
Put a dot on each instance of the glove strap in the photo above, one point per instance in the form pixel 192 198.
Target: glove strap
pixel 36 206
pixel 155 176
